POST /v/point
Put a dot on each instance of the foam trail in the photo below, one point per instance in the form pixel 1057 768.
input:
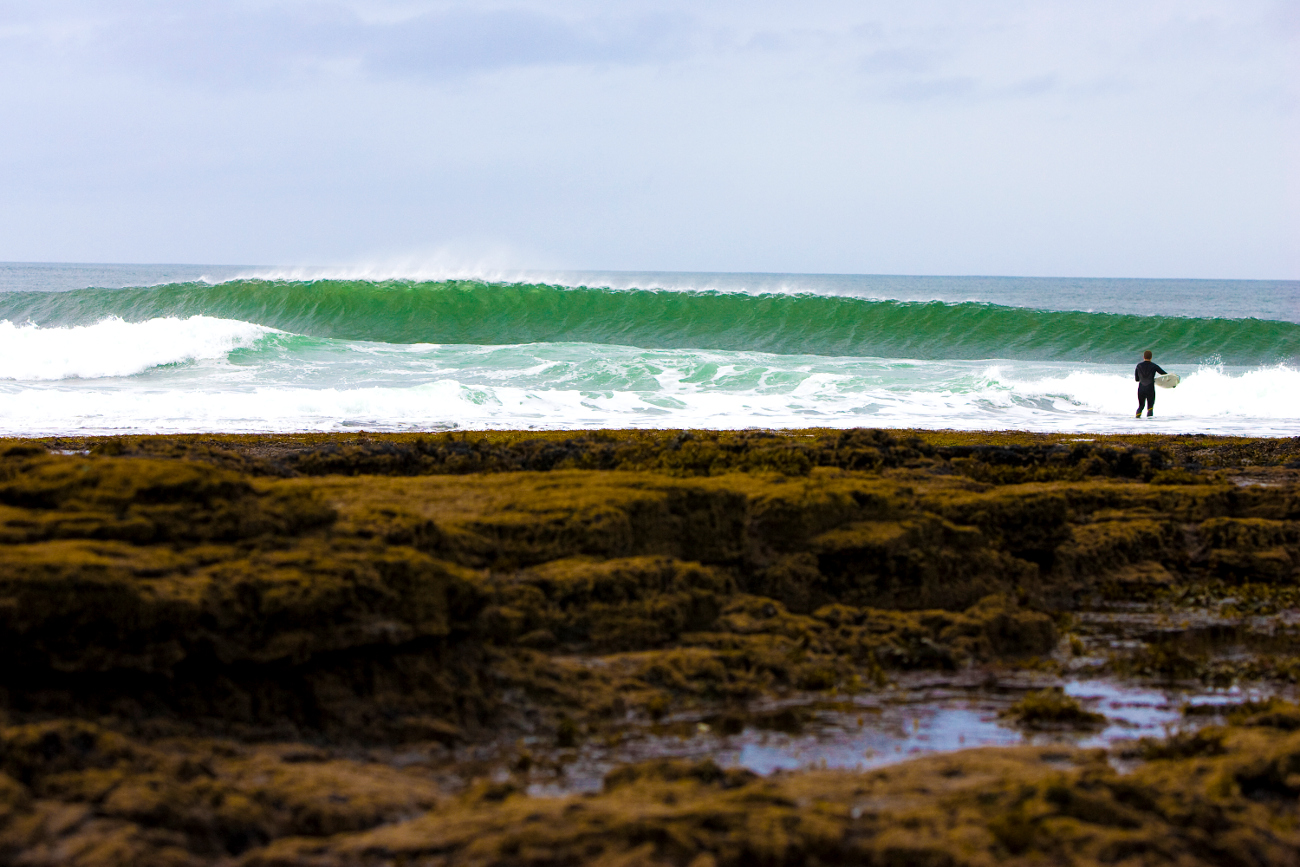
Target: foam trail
pixel 1254 404
pixel 112 347
pixel 1209 393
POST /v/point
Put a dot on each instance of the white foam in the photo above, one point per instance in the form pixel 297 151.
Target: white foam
pixel 114 348
pixel 287 385
pixel 450 404
pixel 1206 393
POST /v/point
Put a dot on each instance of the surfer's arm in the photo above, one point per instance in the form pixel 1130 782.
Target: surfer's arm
pixel 1159 368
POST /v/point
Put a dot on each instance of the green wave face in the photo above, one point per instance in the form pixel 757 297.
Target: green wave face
pixel 494 313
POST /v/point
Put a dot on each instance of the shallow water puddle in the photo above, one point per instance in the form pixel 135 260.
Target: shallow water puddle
pixel 880 729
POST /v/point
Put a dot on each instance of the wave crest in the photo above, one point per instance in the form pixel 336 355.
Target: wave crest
pixel 115 347
pixel 512 313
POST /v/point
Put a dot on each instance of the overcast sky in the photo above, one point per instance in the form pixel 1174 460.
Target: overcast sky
pixel 1088 138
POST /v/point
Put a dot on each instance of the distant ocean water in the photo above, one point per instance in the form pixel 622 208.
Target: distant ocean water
pixel 143 349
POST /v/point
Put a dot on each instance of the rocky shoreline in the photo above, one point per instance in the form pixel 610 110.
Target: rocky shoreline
pixel 402 649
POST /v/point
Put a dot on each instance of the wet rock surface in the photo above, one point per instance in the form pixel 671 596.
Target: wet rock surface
pixel 681 648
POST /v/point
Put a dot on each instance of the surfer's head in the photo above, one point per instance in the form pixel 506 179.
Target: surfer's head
pixel 1146 356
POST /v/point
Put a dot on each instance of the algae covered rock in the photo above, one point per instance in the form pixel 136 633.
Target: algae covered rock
pixel 193 587
pixel 185 798
pixel 609 605
pixel 142 587
pixel 145 501
pixel 1052 708
pixel 1252 549
pixel 316 650
pixel 922 563
pixel 84 606
pixel 978 807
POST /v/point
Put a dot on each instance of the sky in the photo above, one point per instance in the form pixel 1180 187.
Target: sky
pixel 1094 138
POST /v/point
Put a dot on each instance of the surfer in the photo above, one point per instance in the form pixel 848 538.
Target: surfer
pixel 1145 374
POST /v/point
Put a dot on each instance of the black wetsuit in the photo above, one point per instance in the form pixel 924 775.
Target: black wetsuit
pixel 1145 374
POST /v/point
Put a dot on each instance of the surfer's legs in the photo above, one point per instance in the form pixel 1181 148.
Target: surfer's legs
pixel 1147 399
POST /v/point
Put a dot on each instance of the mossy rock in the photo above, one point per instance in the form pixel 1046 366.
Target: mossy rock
pixel 922 563
pixel 610 605
pixel 1052 709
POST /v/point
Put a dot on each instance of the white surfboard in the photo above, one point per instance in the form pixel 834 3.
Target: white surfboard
pixel 1167 380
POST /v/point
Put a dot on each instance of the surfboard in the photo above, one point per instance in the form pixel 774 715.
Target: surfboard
pixel 1167 380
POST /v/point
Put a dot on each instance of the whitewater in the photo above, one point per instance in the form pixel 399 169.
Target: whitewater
pixel 97 349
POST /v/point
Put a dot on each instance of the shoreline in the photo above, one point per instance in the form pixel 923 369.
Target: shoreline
pixel 936 436
pixel 1194 450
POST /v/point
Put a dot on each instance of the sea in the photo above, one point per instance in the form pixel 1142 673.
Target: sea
pixel 136 349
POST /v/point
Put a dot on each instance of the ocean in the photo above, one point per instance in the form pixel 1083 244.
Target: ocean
pixel 114 349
